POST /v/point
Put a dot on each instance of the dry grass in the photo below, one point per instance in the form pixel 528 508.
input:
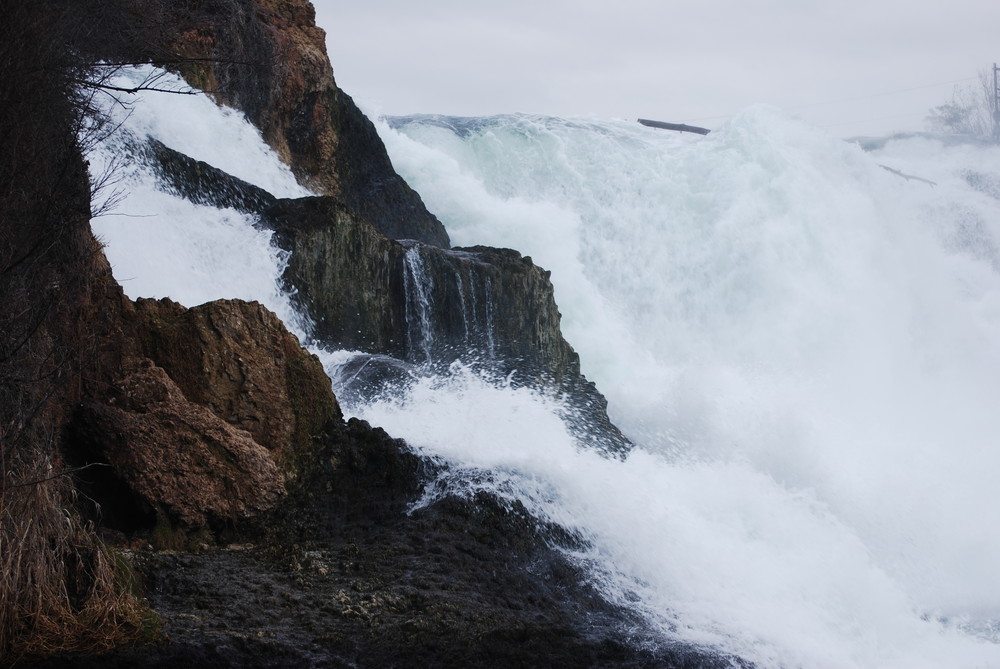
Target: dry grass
pixel 61 589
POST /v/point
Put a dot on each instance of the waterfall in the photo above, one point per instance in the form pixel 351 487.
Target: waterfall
pixel 491 343
pixel 419 288
pixel 802 345
pixel 449 306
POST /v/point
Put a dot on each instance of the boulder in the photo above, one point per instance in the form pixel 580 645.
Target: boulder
pixel 364 378
pixel 209 412
pixel 236 359
pixel 175 457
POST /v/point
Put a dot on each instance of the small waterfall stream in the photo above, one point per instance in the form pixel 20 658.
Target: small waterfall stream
pixel 419 286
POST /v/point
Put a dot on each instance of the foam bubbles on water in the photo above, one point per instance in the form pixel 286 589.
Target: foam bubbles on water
pixel 803 343
pixel 718 554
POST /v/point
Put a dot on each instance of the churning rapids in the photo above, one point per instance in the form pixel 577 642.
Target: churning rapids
pixel 804 346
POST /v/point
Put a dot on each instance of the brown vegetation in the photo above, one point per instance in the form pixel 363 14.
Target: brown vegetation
pixel 59 586
pixel 86 417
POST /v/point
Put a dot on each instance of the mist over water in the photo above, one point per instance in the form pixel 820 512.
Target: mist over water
pixel 801 343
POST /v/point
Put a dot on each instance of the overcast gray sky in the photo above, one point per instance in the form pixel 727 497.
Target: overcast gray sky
pixel 851 66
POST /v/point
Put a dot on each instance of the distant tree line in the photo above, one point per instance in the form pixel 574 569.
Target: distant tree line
pixel 971 109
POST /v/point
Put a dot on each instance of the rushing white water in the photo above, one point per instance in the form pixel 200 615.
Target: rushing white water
pixel 801 343
pixel 160 245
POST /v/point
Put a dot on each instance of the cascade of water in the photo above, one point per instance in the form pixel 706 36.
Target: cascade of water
pixel 803 343
pixel 449 305
pixel 474 303
pixel 464 298
pixel 491 342
pixel 160 245
pixel 419 287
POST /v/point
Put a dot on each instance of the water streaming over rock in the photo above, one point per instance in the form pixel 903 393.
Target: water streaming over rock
pixel 420 333
pixel 802 344
pixel 450 300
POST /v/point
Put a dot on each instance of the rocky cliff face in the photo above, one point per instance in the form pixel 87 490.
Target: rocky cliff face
pixel 268 59
pixel 211 422
pixel 430 306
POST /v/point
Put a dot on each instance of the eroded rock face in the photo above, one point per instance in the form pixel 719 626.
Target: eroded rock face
pixel 268 59
pixel 347 275
pixel 238 360
pixel 190 467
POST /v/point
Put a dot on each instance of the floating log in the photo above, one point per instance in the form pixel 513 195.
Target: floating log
pixel 680 127
pixel 908 177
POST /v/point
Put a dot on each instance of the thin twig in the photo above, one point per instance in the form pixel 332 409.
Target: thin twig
pixel 65 472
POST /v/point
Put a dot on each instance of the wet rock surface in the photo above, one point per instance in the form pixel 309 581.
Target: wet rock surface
pixel 268 59
pixel 364 378
pixel 347 276
pixel 343 574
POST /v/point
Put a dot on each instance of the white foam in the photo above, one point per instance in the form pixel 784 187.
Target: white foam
pixel 809 363
pixel 802 343
pixel 197 127
pixel 160 245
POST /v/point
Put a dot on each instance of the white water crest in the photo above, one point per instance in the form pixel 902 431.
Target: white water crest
pixel 803 344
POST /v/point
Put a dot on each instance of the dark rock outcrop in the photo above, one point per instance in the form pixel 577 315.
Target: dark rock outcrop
pixel 268 59
pixel 420 303
pixel 199 182
pixel 494 302
pixel 426 305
